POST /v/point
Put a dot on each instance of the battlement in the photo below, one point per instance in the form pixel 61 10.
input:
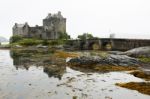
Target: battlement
pixel 56 15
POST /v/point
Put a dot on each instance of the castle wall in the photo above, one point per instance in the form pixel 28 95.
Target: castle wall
pixel 36 32
pixel 53 25
pixel 26 31
pixel 17 31
pixel 21 29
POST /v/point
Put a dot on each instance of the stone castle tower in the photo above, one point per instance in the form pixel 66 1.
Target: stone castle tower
pixel 53 26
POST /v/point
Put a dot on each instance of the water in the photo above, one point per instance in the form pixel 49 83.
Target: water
pixel 20 82
pixel 4 43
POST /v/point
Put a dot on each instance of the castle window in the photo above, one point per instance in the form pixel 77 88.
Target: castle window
pixel 40 35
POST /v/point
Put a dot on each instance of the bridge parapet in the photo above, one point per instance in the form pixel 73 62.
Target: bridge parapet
pixel 109 44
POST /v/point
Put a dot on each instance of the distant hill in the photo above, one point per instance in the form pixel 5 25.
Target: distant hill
pixel 3 39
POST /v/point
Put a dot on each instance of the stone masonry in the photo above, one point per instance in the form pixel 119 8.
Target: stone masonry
pixel 53 26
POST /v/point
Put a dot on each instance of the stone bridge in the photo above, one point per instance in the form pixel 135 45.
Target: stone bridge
pixel 109 44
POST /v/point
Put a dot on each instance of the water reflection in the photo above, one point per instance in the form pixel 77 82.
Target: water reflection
pixel 55 71
pixel 51 66
pixel 33 83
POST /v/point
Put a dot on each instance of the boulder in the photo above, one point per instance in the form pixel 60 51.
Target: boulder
pixel 121 60
pixel 58 47
pixel 115 60
pixel 138 52
pixel 18 46
pixel 41 46
pixel 84 60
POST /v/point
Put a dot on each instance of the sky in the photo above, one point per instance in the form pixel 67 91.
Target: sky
pixel 124 18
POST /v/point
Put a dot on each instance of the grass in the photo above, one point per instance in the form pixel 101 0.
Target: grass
pixel 102 54
pixel 104 68
pixel 114 68
pixel 142 87
pixel 141 74
pixel 27 42
pixel 144 59
pixel 63 54
pixel 30 42
pixel 5 46
pixel 35 41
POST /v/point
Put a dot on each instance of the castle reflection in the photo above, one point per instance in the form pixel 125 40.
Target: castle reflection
pixel 51 66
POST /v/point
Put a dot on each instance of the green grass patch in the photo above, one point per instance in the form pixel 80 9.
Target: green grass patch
pixel 144 59
pixel 30 42
pixel 102 54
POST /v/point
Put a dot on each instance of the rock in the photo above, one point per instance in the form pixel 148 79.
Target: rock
pixel 114 52
pixel 121 60
pixel 85 60
pixel 41 46
pixel 115 60
pixel 68 59
pixel 138 52
pixel 18 46
pixel 58 47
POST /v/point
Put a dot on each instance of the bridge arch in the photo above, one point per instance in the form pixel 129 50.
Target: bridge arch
pixel 107 45
pixel 94 45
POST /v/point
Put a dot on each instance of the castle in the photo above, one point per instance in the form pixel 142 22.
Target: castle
pixel 54 25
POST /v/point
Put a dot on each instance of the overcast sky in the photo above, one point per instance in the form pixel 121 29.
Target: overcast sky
pixel 125 18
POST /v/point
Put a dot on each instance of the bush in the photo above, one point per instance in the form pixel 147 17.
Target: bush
pixel 64 36
pixel 15 39
pixel 30 42
pixel 58 42
pixel 54 42
pixel 85 36
pixel 45 42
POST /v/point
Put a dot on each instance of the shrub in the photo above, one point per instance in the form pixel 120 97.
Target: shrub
pixel 45 42
pixel 64 36
pixel 57 42
pixel 15 39
pixel 54 42
pixel 85 36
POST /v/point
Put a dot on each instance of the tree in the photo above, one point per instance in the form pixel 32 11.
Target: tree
pixel 64 36
pixel 85 36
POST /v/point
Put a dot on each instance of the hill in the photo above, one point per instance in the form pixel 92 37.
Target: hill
pixel 3 39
